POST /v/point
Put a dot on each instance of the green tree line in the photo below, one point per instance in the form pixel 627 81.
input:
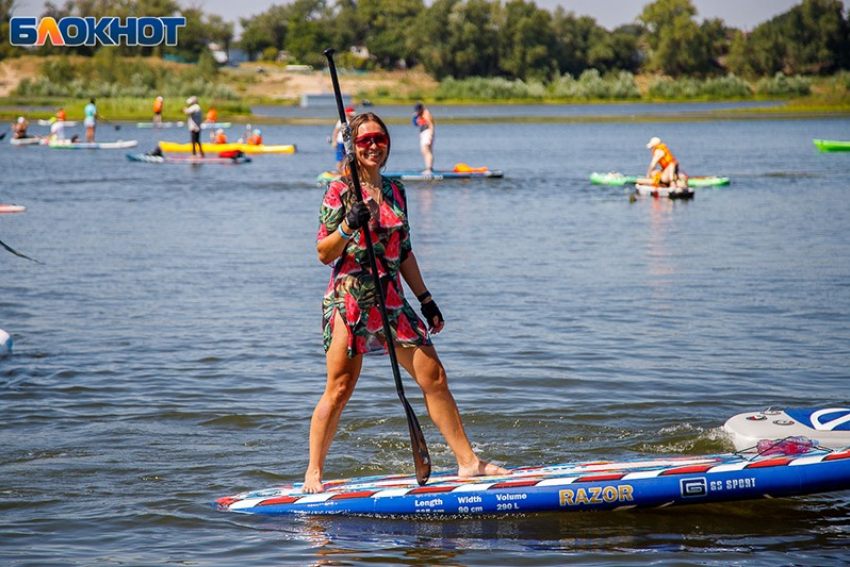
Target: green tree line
pixel 514 39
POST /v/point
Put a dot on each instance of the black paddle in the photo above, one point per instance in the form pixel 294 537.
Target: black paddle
pixel 16 253
pixel 421 459
pixel 116 126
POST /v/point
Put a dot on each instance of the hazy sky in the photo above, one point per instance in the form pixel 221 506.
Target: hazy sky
pixel 742 14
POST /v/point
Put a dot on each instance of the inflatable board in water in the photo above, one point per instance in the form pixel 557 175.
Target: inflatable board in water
pixel 826 427
pixel 566 487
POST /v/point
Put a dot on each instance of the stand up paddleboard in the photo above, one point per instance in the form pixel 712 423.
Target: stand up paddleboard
pixel 615 178
pixel 668 192
pixel 69 145
pixel 438 175
pixel 827 427
pixel 148 158
pixel 460 171
pixel 566 487
pixel 5 343
pixel 12 209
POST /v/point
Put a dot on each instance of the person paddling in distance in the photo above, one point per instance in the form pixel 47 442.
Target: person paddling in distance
pixel 158 105
pixel 667 172
pixel 90 120
pixel 218 137
pixel 423 119
pixel 351 316
pixel 193 110
pixel 336 136
pixel 19 128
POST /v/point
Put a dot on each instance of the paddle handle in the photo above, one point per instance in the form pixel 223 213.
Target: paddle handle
pixel 421 458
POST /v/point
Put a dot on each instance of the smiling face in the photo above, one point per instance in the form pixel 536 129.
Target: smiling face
pixel 371 142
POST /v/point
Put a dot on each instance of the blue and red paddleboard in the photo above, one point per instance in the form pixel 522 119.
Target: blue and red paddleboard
pixel 600 485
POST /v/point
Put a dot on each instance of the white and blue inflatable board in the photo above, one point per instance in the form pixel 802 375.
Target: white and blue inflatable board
pixel 440 175
pixel 5 343
pixel 565 487
pixel 830 427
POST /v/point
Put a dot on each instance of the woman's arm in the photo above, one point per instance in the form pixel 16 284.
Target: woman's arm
pixel 413 275
pixel 331 247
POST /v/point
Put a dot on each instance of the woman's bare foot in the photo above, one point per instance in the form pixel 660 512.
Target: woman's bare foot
pixel 312 483
pixel 481 469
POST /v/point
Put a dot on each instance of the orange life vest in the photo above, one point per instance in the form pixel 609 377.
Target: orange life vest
pixel 212 115
pixel 255 140
pixel 220 139
pixel 667 158
pixel 157 106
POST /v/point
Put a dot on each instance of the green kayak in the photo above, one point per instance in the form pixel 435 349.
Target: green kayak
pixel 832 145
pixel 614 178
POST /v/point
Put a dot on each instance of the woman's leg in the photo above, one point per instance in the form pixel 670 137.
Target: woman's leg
pixel 424 365
pixel 343 373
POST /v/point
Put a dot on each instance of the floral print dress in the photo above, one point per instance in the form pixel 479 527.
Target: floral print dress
pixel 351 290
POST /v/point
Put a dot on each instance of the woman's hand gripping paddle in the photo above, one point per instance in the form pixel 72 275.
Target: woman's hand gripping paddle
pixel 421 459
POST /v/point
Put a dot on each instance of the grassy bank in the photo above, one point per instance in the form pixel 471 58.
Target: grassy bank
pixel 125 89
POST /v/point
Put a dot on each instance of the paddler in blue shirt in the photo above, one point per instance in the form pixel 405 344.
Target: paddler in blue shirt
pixel 90 120
pixel 195 117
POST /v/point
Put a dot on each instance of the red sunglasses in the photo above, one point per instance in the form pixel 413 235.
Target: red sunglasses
pixel 366 140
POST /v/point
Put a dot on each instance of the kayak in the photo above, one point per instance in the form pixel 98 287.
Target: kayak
pixel 669 192
pixel 12 208
pixel 596 485
pixel 826 427
pixel 174 147
pixel 614 178
pixel 69 145
pixel 832 145
pixel 147 158
pixel 160 125
pixel 28 141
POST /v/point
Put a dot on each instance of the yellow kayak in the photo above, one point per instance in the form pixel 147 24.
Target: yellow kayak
pixel 174 147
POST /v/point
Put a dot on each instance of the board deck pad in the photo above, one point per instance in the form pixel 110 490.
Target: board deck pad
pixel 598 485
pixel 829 427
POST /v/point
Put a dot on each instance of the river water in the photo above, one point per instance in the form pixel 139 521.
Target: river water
pixel 168 347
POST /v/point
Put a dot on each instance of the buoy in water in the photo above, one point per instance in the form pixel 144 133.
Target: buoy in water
pixel 5 343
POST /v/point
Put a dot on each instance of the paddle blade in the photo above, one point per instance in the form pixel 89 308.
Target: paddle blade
pixel 421 458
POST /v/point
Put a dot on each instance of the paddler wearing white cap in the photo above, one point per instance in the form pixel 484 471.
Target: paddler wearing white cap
pixel 193 110
pixel 663 167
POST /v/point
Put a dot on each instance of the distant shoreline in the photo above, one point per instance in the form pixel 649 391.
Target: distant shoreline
pixel 9 111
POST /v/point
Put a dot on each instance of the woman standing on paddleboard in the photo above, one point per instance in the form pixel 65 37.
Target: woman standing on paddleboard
pixel 352 320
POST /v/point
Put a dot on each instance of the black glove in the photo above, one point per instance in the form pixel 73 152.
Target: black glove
pixel 430 311
pixel 358 216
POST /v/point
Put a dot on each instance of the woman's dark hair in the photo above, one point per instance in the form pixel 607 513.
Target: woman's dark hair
pixel 355 125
